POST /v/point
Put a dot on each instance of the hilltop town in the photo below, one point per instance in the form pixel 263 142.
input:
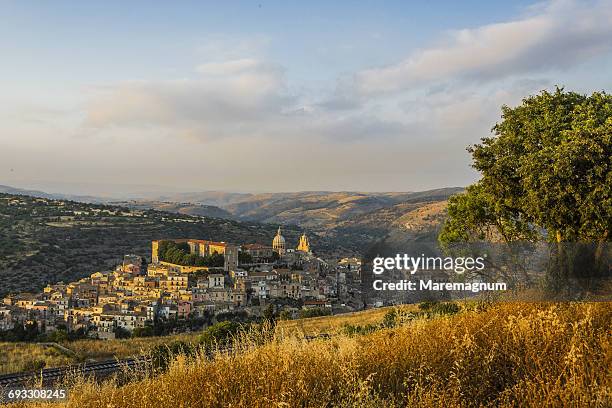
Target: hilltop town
pixel 189 280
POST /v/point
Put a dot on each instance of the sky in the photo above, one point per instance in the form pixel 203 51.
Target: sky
pixel 115 97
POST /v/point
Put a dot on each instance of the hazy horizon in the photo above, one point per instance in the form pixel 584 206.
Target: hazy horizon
pixel 277 97
pixel 126 191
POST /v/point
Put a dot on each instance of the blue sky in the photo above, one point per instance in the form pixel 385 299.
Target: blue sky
pixel 276 96
pixel 159 40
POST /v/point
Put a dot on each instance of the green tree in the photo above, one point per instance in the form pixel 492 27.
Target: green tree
pixel 545 175
pixel 146 331
pixel 122 333
pixel 268 313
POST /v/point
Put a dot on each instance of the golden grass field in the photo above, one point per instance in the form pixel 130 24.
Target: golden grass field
pixel 17 357
pixel 332 324
pixel 108 349
pixel 99 350
pixel 507 355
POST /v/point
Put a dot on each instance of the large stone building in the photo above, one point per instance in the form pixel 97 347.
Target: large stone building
pixel 203 248
pixel 259 253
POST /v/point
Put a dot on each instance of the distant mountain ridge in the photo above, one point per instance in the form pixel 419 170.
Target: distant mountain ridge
pixel 368 214
pixel 201 210
pixel 54 196
pixel 307 208
pixel 356 219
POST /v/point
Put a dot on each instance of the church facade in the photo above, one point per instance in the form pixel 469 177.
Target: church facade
pixel 279 243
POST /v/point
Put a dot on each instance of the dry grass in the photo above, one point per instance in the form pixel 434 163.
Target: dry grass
pixel 510 355
pixel 17 357
pixel 107 349
pixel 333 324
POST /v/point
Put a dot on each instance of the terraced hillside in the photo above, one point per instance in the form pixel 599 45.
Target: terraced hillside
pixel 355 218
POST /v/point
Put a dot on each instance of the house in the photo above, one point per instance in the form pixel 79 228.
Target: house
pixel 216 280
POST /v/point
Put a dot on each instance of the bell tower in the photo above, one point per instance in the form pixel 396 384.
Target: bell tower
pixel 303 245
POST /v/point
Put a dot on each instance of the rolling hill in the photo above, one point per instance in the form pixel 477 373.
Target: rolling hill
pixel 356 218
pixel 201 210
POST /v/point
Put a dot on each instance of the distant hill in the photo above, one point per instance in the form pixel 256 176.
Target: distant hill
pixel 356 219
pixel 37 193
pixel 216 198
pixel 202 210
pixel 309 209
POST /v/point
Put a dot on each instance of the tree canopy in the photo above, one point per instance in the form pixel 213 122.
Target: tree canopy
pixel 545 174
pixel 179 253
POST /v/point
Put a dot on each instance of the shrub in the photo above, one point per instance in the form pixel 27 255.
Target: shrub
pixel 447 308
pixel 162 355
pixel 146 331
pixel 390 318
pixel 353 330
pixel 219 334
pixel 285 315
pixel 314 312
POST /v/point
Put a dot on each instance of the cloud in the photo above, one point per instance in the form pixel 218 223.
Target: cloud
pixel 405 124
pixel 222 98
pixel 554 35
pixel 224 47
pixel 248 96
pixel 238 66
pixel 241 98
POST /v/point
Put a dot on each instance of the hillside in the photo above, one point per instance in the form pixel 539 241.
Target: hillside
pixel 355 218
pixel 54 196
pixel 202 210
pixel 325 209
pixel 44 240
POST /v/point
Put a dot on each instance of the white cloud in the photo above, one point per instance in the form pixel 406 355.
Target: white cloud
pixel 403 126
pixel 555 35
pixel 238 66
pixel 222 98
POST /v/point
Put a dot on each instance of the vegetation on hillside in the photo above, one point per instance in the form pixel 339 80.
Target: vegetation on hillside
pixel 18 357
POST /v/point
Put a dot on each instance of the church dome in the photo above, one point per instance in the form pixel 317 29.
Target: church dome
pixel 278 239
pixel 278 243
